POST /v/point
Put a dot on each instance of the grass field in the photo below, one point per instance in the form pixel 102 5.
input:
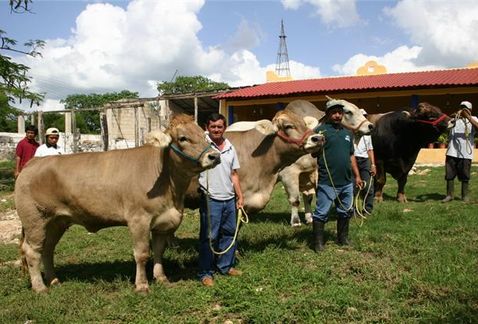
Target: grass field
pixel 414 262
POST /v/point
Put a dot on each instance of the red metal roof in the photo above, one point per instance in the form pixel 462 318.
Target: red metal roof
pixel 426 79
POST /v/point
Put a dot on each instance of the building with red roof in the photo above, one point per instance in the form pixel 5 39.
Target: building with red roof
pixel 374 93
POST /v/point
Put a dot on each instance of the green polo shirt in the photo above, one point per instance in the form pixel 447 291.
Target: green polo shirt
pixel 337 149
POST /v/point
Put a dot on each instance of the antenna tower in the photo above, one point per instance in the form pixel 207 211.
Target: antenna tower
pixel 282 63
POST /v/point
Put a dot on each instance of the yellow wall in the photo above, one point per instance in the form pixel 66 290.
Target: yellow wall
pixel 437 156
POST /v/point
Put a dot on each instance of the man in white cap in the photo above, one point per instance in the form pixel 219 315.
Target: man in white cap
pixel 460 151
pixel 363 151
pixel 51 146
pixel 335 166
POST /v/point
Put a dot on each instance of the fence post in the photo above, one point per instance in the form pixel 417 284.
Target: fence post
pixel 104 129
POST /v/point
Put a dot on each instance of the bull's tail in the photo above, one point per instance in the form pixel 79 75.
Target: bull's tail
pixel 22 253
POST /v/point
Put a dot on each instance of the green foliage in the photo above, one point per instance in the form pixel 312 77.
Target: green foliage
pixel 8 115
pixel 89 121
pixel 14 79
pixel 443 138
pixel 408 263
pixel 190 84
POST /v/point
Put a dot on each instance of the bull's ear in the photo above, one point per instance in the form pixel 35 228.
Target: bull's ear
pixel 158 139
pixel 311 122
pixel 266 127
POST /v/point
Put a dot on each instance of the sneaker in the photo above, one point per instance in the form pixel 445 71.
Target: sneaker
pixel 234 272
pixel 207 281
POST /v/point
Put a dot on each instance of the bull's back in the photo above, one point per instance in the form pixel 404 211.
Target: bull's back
pixel 96 188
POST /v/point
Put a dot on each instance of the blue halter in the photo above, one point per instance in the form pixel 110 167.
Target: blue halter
pixel 179 152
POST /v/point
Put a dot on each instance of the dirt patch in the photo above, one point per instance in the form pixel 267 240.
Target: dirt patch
pixel 10 227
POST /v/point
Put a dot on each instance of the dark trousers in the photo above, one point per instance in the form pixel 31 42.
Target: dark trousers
pixel 364 170
pixel 457 167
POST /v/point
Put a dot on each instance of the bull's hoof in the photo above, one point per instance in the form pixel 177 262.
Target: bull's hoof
pixel 295 224
pixel 162 280
pixel 55 282
pixel 378 199
pixel 142 289
pixel 308 219
pixel 40 290
pixel 402 199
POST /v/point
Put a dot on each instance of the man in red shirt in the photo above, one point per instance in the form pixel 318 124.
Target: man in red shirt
pixel 26 149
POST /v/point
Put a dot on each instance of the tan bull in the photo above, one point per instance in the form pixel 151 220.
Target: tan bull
pixel 142 188
pixel 264 148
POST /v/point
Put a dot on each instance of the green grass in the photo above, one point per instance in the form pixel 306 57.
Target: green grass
pixel 414 262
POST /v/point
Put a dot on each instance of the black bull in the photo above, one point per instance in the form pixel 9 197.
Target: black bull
pixel 397 139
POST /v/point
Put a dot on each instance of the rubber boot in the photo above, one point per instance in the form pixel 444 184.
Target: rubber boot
pixel 450 188
pixel 343 231
pixel 319 241
pixel 465 191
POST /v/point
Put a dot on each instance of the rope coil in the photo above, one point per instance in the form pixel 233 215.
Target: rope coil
pixel 241 216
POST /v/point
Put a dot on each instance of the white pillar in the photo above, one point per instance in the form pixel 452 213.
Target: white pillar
pixel 21 124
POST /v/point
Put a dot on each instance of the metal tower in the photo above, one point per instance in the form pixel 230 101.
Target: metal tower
pixel 282 63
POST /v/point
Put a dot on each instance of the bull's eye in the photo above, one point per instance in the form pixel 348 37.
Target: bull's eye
pixel 289 126
pixel 183 139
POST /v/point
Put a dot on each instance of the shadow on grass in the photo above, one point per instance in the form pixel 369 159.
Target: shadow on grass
pixel 180 261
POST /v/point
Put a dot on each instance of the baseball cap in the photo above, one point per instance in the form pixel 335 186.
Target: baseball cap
pixel 363 112
pixel 333 103
pixel 466 104
pixel 52 131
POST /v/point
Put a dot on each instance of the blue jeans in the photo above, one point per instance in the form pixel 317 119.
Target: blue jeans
pixel 222 215
pixel 326 195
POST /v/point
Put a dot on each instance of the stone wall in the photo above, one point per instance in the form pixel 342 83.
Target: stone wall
pixel 86 143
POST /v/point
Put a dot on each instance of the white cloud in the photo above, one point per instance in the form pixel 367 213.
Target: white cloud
pixel 111 49
pixel 337 13
pixel 402 59
pixel 247 36
pixel 446 30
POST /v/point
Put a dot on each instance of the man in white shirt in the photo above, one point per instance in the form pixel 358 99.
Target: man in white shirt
pixel 363 151
pixel 460 151
pixel 221 196
pixel 51 146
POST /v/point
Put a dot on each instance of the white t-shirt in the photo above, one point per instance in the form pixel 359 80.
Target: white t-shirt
pixel 44 150
pixel 460 139
pixel 218 179
pixel 364 145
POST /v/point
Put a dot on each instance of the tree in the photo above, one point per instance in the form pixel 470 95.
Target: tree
pixel 88 121
pixel 190 84
pixel 14 80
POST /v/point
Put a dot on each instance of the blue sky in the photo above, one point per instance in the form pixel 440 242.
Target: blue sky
pixel 105 46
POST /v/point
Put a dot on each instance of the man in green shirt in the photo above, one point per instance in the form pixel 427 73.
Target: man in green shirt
pixel 335 166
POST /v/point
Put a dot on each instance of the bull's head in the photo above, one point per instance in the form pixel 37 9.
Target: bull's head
pixel 353 118
pixel 428 114
pixel 188 142
pixel 293 129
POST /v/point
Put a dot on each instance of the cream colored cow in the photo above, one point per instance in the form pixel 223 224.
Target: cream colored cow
pixel 142 188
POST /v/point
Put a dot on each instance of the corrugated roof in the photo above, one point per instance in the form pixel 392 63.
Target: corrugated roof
pixel 425 79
